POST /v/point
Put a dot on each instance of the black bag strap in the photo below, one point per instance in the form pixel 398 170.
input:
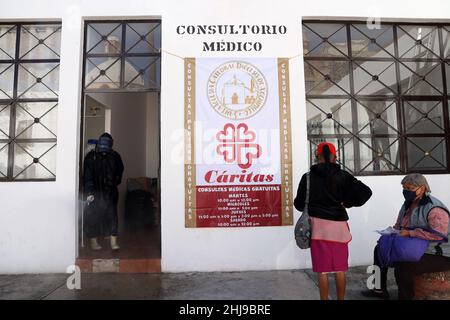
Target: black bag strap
pixel 308 178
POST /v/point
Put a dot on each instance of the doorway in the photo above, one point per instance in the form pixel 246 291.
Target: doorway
pixel 121 96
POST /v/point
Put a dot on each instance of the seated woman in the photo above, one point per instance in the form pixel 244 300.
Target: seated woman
pixel 430 218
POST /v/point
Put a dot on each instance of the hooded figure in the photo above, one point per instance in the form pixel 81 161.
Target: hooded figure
pixel 103 169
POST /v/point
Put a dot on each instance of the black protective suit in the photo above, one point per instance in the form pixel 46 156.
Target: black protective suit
pixel 102 174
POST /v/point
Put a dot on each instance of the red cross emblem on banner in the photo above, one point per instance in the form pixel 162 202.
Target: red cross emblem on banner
pixel 237 145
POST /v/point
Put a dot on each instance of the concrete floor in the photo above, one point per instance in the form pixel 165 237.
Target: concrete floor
pixel 260 285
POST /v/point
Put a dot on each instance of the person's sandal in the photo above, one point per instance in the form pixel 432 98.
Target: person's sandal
pixel 376 294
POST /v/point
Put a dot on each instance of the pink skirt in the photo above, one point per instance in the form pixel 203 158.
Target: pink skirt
pixel 329 256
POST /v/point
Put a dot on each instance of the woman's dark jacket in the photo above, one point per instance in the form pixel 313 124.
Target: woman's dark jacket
pixel 331 191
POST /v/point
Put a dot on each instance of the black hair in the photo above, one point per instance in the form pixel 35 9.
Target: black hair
pixel 330 179
pixel 326 153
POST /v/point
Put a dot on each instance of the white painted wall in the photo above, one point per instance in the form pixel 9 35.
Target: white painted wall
pixel 37 220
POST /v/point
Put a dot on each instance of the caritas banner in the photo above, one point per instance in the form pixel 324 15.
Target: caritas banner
pixel 238 164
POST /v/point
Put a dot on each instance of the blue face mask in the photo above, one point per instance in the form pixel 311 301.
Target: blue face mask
pixel 409 195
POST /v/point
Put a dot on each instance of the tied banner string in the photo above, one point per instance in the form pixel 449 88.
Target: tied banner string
pixel 183 58
pixel 170 53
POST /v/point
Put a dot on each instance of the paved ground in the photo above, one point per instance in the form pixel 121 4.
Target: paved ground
pixel 261 285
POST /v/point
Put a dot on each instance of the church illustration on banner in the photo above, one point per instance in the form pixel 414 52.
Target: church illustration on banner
pixel 235 92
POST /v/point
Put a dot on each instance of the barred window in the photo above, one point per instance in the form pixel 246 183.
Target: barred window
pixel 29 81
pixel 379 93
pixel 122 55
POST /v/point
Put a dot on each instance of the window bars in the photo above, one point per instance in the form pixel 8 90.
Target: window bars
pixel 122 55
pixel 380 94
pixel 29 82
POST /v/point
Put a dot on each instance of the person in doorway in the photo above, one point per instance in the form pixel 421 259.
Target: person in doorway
pixel 421 216
pixel 103 169
pixel 331 191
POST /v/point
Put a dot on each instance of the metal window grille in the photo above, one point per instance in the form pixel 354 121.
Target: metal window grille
pixel 122 55
pixel 379 93
pixel 29 84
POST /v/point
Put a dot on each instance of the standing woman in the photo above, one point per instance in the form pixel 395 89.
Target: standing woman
pixel 331 191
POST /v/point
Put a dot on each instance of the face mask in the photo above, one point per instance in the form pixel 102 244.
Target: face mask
pixel 409 195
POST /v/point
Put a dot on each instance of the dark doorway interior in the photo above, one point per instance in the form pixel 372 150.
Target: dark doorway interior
pixel 132 118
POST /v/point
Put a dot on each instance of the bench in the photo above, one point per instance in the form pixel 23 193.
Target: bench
pixel 432 286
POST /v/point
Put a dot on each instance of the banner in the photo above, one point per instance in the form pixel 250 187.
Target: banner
pixel 238 161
